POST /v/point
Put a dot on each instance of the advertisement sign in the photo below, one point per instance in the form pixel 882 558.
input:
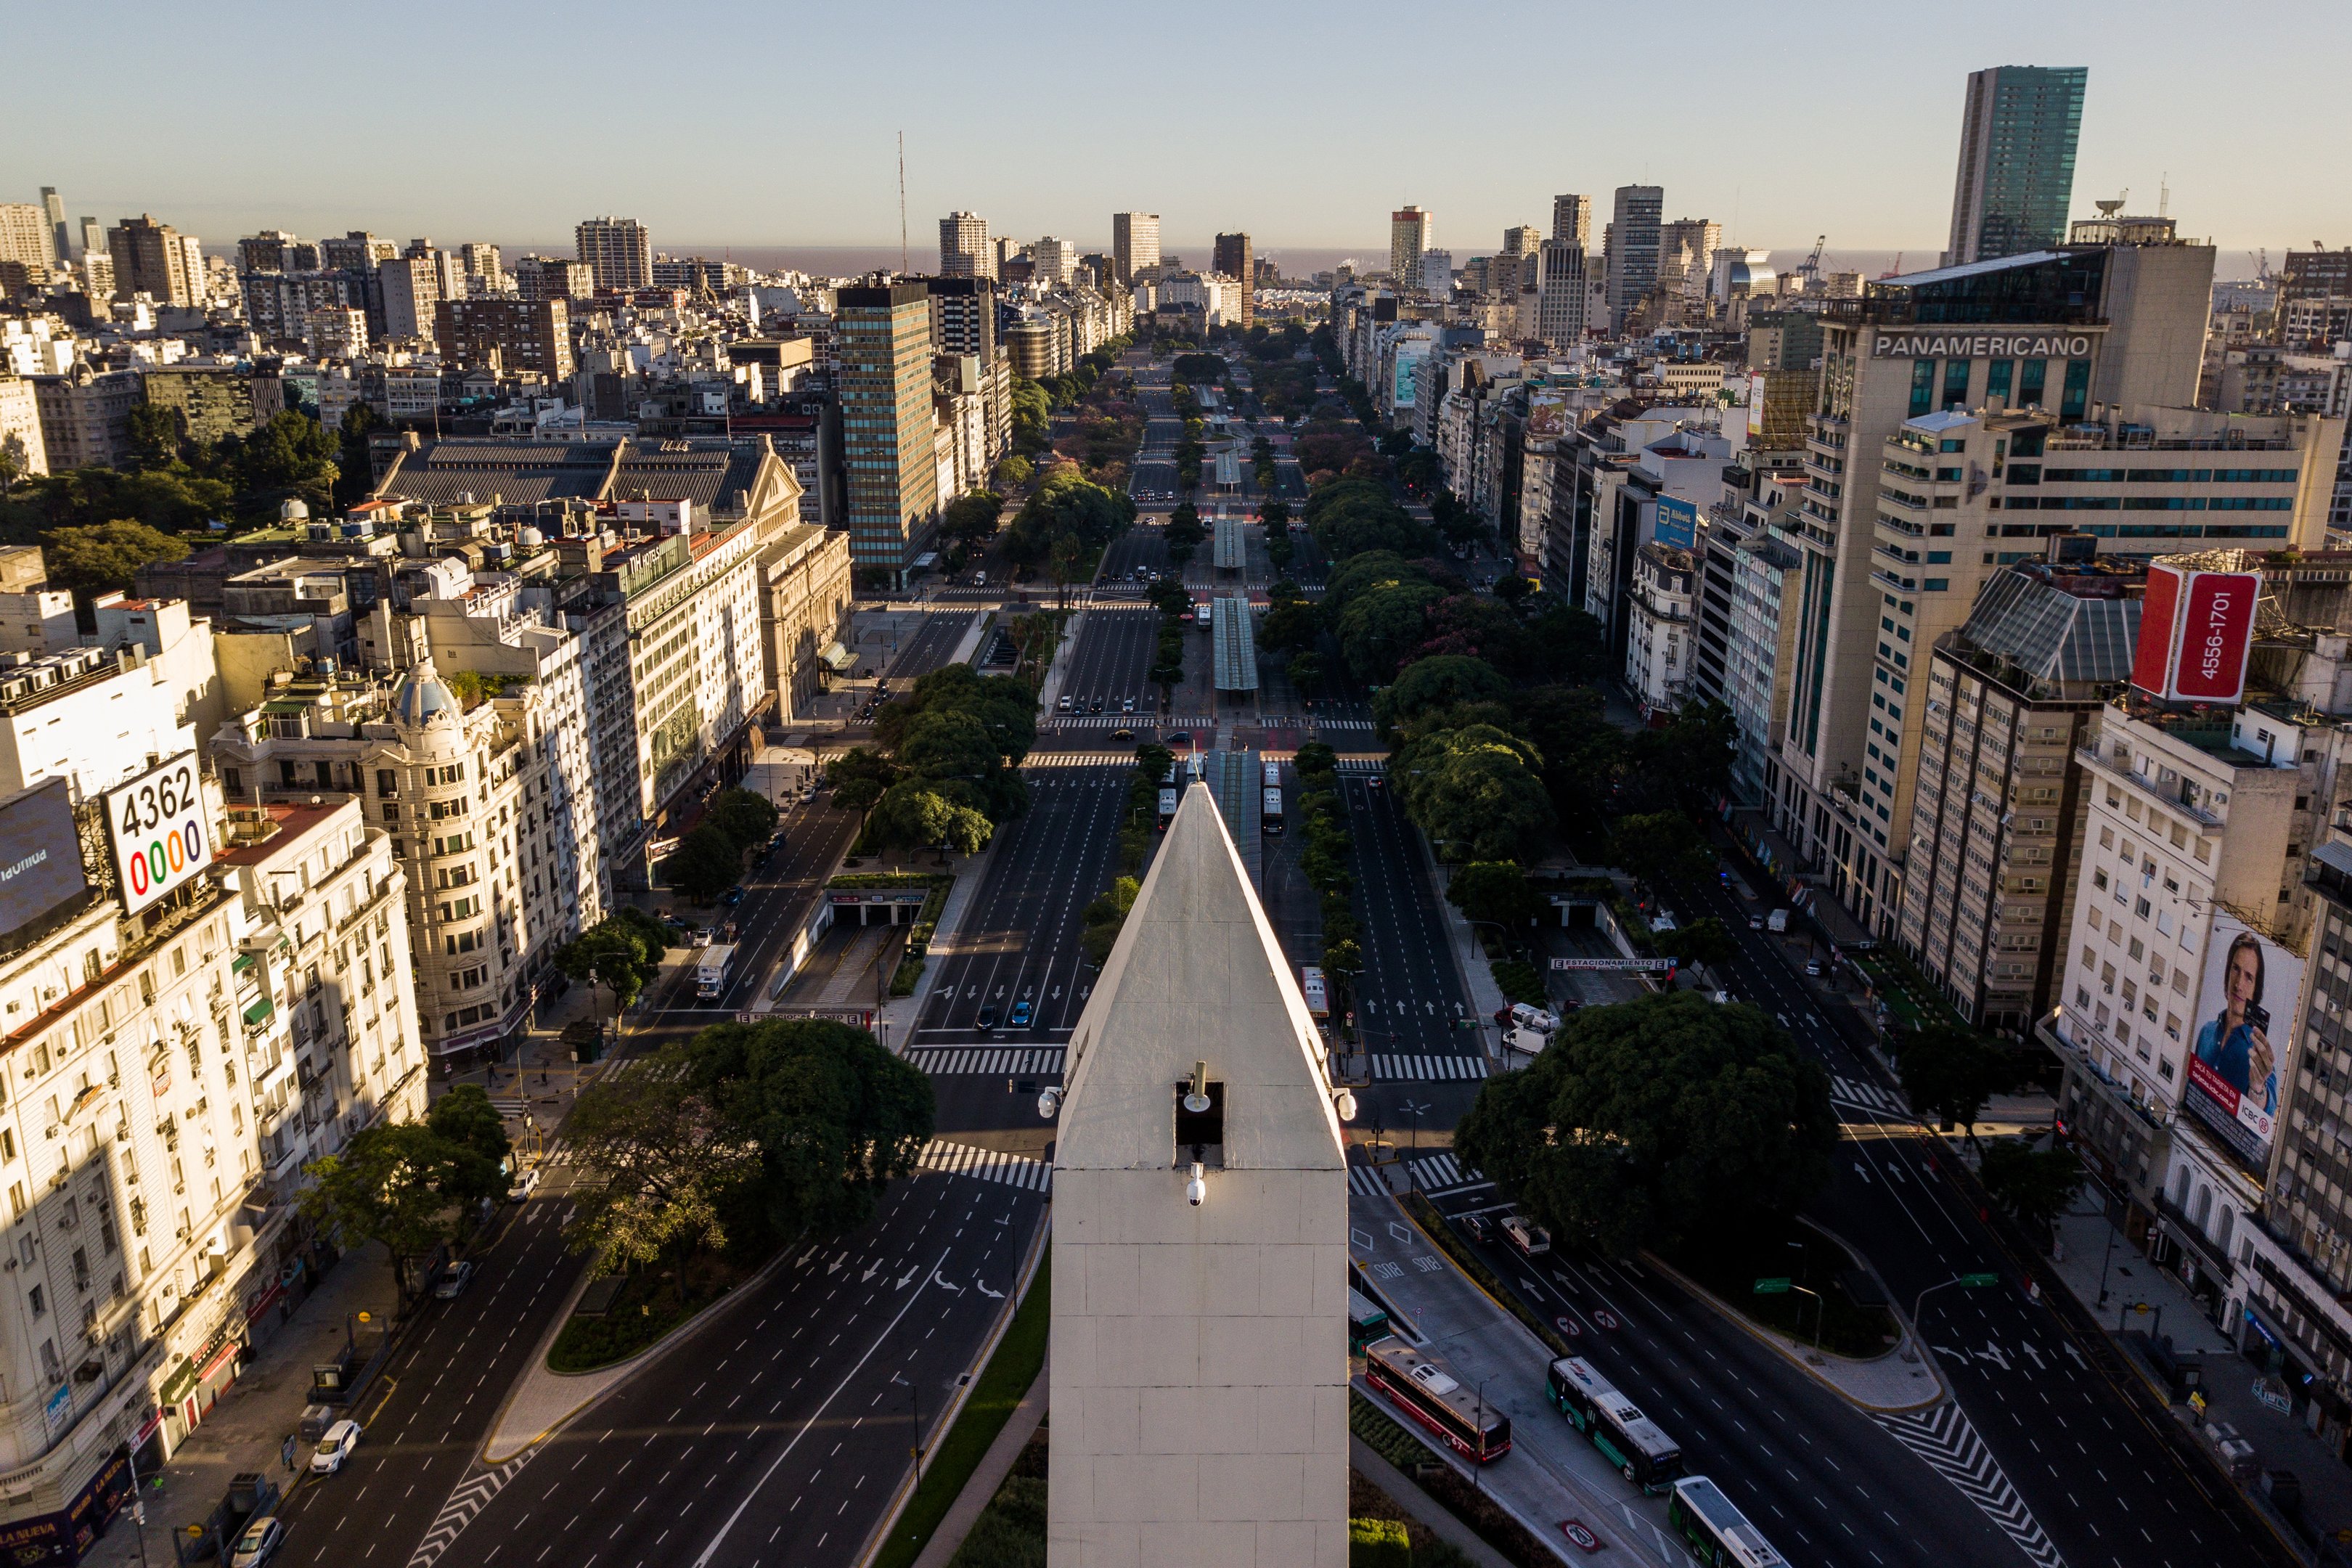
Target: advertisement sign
pixel 1548 416
pixel 2245 1009
pixel 2195 631
pixel 156 823
pixel 1408 372
pixel 40 857
pixel 1677 522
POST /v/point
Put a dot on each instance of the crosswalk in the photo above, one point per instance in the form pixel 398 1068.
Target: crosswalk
pixel 1118 720
pixel 1868 1097
pixel 1436 1175
pixel 1405 1068
pixel 996 1061
pixel 1949 1445
pixel 1078 760
pixel 986 1165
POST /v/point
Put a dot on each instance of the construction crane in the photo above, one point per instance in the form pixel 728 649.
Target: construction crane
pixel 1810 272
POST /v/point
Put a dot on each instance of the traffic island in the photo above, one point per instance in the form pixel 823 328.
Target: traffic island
pixel 1417 1468
pixel 621 1316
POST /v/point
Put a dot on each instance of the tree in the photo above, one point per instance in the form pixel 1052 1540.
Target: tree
pixel 914 814
pixel 355 474
pixel 1701 942
pixel 1510 587
pixel 397 1184
pixel 1013 471
pixel 1661 846
pixel 1104 919
pixel 654 1165
pixel 1949 1072
pixel 621 952
pixel 745 816
pixel 1476 791
pixel 2032 1186
pixel 970 518
pixel 704 864
pixel 833 1116
pixel 1291 625
pixel 1378 628
pixel 465 1119
pixel 1307 671
pixel 1689 761
pixel 156 435
pixel 1427 684
pixel 1656 1122
pixel 1496 893
pixel 93 560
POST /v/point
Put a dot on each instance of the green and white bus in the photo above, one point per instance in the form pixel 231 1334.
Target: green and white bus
pixel 1366 1321
pixel 1636 1445
pixel 1720 1534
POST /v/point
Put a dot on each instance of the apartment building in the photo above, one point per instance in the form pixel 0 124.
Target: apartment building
pixel 884 345
pixel 618 251
pixel 86 415
pixel 1997 825
pixel 510 335
pixel 1658 650
pixel 157 261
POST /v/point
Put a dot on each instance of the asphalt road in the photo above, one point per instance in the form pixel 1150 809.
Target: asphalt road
pixel 1143 547
pixel 446 1382
pixel 1112 658
pixel 780 1431
pixel 2096 1475
pixel 1410 1003
pixel 932 644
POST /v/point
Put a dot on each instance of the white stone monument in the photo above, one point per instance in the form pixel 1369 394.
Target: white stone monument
pixel 1199 1393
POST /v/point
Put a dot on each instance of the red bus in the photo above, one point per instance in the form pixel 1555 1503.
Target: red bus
pixel 1424 1390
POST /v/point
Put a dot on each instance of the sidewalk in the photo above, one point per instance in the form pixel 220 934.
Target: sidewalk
pixel 246 1429
pixel 2089 1247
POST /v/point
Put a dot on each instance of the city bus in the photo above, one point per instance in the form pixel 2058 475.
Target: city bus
pixel 1269 817
pixel 1423 1391
pixel 1167 798
pixel 1643 1453
pixel 1719 1534
pixel 1366 1321
pixel 1273 775
pixel 1319 1000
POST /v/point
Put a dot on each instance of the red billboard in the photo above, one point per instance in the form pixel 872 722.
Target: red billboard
pixel 2195 630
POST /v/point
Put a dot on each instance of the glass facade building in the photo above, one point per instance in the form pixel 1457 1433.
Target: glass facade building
pixel 2017 160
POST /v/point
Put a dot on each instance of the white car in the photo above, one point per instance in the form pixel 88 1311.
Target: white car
pixel 525 1183
pixel 335 1447
pixel 259 1545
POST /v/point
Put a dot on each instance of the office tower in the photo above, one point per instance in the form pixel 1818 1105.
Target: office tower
pixel 618 251
pixel 1631 246
pixel 53 209
pixel 1436 279
pixel 149 260
pixel 24 235
pixel 1571 219
pixel 264 252
pixel 93 236
pixel 1232 258
pixel 1686 249
pixel 1134 244
pixel 1411 232
pixel 882 342
pixel 1561 287
pixel 1055 260
pixel 963 246
pixel 2017 160
pixel 523 334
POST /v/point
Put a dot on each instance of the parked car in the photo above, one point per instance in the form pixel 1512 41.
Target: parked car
pixel 335 1447
pixel 1022 1014
pixel 1813 967
pixel 259 1545
pixel 988 1020
pixel 454 1280
pixel 525 1183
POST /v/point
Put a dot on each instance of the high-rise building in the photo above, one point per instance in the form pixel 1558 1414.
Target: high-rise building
pixel 53 209
pixel 1686 249
pixel 963 246
pixel 882 341
pixel 618 250
pixel 524 334
pixel 2017 160
pixel 1232 258
pixel 1134 245
pixel 93 236
pixel 24 235
pixel 1571 219
pixel 552 277
pixel 1631 249
pixel 151 258
pixel 1055 259
pixel 412 287
pixel 1411 232
pixel 479 261
pixel 1561 279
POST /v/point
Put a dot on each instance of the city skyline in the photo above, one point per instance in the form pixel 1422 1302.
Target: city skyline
pixel 1895 114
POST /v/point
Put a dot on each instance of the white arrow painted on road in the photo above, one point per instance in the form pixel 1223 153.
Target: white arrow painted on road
pixel 1991 1352
pixel 992 1295
pixel 941 1281
pixel 2035 1354
pixel 2075 1355
pixel 837 1264
pixel 1057 994
pixel 904 1279
pixel 871 1270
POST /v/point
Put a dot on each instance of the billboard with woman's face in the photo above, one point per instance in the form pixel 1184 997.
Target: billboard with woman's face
pixel 2245 1020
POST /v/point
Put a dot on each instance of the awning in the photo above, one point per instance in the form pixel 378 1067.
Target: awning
pixel 836 658
pixel 260 1012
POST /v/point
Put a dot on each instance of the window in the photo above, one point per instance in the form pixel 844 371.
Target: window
pixel 286 775
pixel 1956 383
pixel 36 1300
pixel 2072 403
pixel 233 781
pixel 1923 387
pixel 387 783
pixel 1997 377
pixel 2029 382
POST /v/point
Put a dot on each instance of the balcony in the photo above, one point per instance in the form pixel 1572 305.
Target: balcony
pixel 1888 580
pixel 2170 800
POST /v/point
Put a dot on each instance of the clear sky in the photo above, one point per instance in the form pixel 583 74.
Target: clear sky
pixel 752 125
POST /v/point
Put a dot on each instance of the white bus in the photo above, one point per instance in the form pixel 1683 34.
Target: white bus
pixel 711 969
pixel 1273 775
pixel 1636 1445
pixel 1270 818
pixel 1719 1534
pixel 1310 984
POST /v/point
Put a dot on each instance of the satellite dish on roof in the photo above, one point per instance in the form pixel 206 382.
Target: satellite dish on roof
pixel 2114 203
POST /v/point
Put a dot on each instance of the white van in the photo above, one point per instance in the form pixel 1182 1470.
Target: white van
pixel 1536 1018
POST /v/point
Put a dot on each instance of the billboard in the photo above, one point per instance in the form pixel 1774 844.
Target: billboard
pixel 2195 630
pixel 157 826
pixel 40 857
pixel 1408 374
pixel 2245 1017
pixel 1547 416
pixel 1677 522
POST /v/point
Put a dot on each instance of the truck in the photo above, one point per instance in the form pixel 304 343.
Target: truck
pixel 711 969
pixel 1777 921
pixel 1527 1237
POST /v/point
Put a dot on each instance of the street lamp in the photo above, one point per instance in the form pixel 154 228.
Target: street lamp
pixel 1412 1170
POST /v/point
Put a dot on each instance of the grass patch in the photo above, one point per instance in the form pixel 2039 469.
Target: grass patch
pixel 1442 1482
pixel 1519 982
pixel 651 1304
pixel 1729 1268
pixel 1010 1372
pixel 910 975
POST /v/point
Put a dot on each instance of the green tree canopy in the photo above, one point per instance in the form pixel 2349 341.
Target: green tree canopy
pixel 655 1164
pixel 1701 941
pixel 915 814
pixel 401 1184
pixel 1656 1122
pixel 1476 791
pixel 1949 1072
pixel 103 556
pixel 704 864
pixel 621 952
pixel 465 1119
pixel 1382 625
pixel 1427 684
pixel 1065 505
pixel 969 520
pixel 746 817
pixel 1660 847
pixel 1497 892
pixel 2032 1186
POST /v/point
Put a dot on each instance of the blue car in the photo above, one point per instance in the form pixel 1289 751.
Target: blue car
pixel 1022 1015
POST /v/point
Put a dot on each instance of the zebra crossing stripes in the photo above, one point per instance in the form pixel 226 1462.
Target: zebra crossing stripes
pixel 998 1061
pixel 472 1495
pixel 1440 1173
pixel 1409 1068
pixel 1949 1445
pixel 1364 1179
pixel 1868 1097
pixel 986 1165
pixel 1118 720
pixel 1078 760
